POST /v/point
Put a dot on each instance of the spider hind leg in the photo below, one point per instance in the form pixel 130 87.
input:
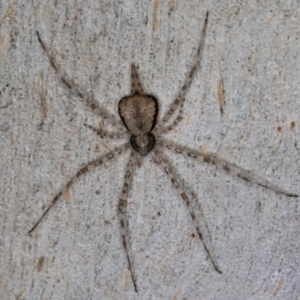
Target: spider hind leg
pixel 162 160
pixel 122 211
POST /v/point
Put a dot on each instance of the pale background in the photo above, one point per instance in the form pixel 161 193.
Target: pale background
pixel 76 252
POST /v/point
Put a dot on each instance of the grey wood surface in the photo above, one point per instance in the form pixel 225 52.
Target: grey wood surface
pixel 76 252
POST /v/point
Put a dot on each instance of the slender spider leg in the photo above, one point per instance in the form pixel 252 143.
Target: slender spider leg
pixel 138 123
pixel 136 85
pixel 225 165
pixel 161 130
pixel 89 166
pixel 107 134
pixel 163 161
pixel 131 165
pixel 76 90
pixel 179 101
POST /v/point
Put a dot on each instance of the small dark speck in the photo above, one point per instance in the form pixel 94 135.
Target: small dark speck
pixel 292 125
pixel 279 128
pixel 40 263
pixel 97 192
pixel 158 213
pixel 4 127
pixel 193 235
pixel 40 126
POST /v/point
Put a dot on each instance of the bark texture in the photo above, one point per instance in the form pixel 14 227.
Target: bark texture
pixel 250 70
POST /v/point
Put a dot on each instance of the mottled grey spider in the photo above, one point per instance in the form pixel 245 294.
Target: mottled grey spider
pixel 139 113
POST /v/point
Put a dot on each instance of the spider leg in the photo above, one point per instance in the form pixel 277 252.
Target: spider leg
pixel 163 161
pixel 89 166
pixel 225 165
pixel 131 165
pixel 179 101
pixel 136 85
pixel 161 130
pixel 76 90
pixel 107 134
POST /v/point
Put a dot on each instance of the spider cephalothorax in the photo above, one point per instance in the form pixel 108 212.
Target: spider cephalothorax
pixel 139 112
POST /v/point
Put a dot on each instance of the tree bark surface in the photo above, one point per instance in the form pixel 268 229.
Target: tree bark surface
pixel 250 68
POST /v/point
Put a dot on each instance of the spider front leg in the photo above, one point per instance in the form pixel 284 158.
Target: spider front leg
pixel 136 85
pixel 161 159
pixel 104 158
pixel 122 209
pixel 76 90
pixel 107 134
pixel 179 101
pixel 225 165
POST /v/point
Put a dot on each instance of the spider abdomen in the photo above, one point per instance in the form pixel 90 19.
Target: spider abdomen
pixel 143 144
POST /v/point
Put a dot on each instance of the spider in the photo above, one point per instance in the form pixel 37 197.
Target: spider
pixel 144 132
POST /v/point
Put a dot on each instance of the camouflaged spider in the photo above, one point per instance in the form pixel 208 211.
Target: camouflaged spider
pixel 138 112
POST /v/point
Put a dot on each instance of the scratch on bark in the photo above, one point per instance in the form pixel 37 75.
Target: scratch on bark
pixel 6 105
pixel 41 94
pixel 40 263
pixel 278 286
pixel 155 20
pixel 10 11
pixel 221 96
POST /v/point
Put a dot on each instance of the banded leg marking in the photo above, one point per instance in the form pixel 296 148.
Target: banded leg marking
pixel 76 90
pixel 107 134
pixel 163 161
pixel 104 158
pixel 179 101
pixel 136 85
pixel 122 210
pixel 224 165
